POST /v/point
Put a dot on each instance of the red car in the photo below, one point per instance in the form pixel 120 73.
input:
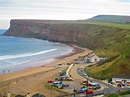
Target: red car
pixel 89 92
pixel 88 84
pixel 49 81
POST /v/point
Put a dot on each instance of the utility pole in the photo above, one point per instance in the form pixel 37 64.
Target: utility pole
pixel 87 86
pixel 51 90
pixel 108 90
pixel 74 92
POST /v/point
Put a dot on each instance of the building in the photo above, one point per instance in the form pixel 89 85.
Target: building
pixel 91 58
pixel 122 79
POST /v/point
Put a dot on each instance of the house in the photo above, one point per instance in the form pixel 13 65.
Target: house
pixel 122 79
pixel 91 58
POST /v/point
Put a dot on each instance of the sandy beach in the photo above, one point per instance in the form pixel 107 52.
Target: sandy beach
pixel 33 79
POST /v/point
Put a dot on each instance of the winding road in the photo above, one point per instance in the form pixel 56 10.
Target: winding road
pixel 77 73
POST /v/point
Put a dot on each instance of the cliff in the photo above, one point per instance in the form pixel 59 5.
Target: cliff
pixel 86 35
pixel 34 29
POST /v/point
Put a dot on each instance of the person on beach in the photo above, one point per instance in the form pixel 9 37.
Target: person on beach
pixel 8 71
pixel 3 71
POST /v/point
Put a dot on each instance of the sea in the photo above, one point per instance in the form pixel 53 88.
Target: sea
pixel 18 53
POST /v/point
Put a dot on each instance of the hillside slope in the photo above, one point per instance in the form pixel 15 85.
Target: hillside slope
pixel 112 18
pixel 107 40
pixel 119 54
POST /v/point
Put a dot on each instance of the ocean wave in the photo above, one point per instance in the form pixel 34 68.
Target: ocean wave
pixel 25 55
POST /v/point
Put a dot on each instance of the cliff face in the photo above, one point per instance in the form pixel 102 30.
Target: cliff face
pixel 86 35
pixel 33 29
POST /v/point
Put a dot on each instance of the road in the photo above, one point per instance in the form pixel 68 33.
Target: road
pixel 77 73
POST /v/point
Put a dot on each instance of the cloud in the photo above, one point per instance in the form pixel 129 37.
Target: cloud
pixel 124 0
pixel 61 9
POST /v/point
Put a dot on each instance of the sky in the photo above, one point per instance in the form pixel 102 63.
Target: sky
pixel 59 9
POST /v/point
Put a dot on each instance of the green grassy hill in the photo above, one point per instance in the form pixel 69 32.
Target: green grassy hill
pixel 118 46
pixel 112 18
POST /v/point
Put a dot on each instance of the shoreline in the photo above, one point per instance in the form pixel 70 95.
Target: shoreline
pixel 18 66
pixel 39 62
pixel 30 79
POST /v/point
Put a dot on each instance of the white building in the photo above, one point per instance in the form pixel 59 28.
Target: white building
pixel 92 58
pixel 122 79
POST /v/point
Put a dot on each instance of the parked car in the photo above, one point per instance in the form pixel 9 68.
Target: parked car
pixel 89 92
pixel 62 73
pixel 59 86
pixel 68 78
pixel 58 79
pixel 92 88
pixel 84 82
pixel 118 85
pixel 96 85
pixel 65 85
pixel 88 84
pixel 80 91
pixel 49 81
pixel 84 74
pixel 55 83
pixel 84 88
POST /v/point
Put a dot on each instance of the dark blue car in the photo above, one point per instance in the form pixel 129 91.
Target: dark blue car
pixel 65 85
pixel 80 91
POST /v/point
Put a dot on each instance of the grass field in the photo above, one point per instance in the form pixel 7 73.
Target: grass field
pixel 122 26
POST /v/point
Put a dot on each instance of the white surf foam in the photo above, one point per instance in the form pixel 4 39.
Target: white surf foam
pixel 25 55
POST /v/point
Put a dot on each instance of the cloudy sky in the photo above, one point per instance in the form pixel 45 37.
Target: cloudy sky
pixel 59 9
